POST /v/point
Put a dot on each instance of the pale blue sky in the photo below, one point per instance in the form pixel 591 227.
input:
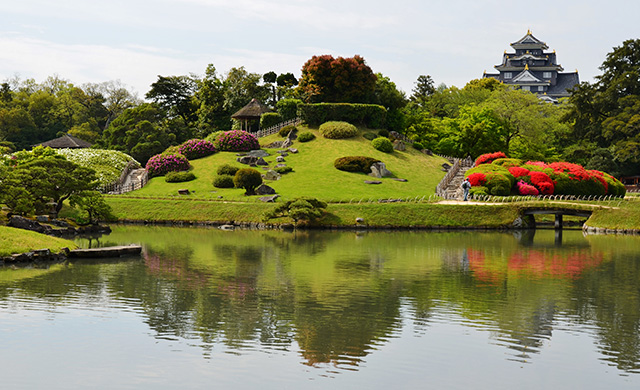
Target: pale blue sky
pixel 454 41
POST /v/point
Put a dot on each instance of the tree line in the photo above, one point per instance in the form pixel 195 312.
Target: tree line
pixel 598 126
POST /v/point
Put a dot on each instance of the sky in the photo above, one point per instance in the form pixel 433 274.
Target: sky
pixel 453 41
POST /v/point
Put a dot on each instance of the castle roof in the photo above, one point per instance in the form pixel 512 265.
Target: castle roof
pixel 529 42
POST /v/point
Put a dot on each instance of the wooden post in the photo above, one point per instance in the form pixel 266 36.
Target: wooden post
pixel 558 223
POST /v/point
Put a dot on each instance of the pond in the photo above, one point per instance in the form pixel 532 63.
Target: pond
pixel 205 308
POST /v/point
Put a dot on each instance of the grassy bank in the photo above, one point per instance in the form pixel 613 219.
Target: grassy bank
pixel 404 215
pixel 20 241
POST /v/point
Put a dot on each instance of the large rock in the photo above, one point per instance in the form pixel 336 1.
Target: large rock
pixel 272 175
pixel 399 145
pixel 379 170
pixel 19 222
pixel 258 153
pixel 247 160
pixel 261 161
pixel 280 159
pixel 264 189
pixel 269 199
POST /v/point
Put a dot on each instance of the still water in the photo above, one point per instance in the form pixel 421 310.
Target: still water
pixel 204 308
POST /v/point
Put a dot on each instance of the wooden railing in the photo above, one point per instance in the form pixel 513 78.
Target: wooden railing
pixel 121 188
pixel 274 129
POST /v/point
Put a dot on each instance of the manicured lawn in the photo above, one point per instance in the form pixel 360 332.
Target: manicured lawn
pixel 20 241
pixel 314 174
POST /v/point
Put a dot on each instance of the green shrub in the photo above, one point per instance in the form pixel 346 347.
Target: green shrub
pixel 283 170
pixel 370 136
pixel 491 168
pixel 179 177
pixel 269 119
pixel 306 136
pixel 417 145
pixel 226 169
pixel 288 108
pixel 213 136
pixel 223 181
pixel 299 209
pixel 249 179
pixel 498 184
pixel 370 115
pixel 479 190
pixel 383 133
pixel 172 150
pixel 383 144
pixel 355 163
pixel 338 130
pixel 286 130
pixel 508 162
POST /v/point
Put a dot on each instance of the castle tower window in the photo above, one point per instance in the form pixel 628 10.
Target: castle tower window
pixel 507 75
pixel 546 75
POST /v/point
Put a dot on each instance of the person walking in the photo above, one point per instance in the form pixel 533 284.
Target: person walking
pixel 465 188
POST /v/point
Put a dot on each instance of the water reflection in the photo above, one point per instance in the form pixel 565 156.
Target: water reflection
pixel 337 297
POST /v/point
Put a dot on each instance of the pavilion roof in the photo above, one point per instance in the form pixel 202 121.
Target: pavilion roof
pixel 253 110
pixel 66 141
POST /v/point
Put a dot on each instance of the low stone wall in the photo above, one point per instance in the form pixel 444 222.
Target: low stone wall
pixel 37 256
pixel 55 227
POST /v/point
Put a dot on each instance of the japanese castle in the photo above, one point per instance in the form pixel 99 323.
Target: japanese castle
pixel 533 69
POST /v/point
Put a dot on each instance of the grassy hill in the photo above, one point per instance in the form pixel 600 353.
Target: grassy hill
pixel 314 174
pixel 19 241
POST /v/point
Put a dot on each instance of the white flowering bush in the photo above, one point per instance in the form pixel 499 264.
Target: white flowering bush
pixel 108 164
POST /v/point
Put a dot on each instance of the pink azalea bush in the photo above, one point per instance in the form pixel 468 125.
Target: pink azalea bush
pixel 161 164
pixel 526 189
pixel 196 148
pixel 236 141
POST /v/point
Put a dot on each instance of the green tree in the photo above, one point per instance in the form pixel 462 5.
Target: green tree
pixel 423 89
pixel 175 95
pixel 337 80
pixel 92 204
pixel 240 87
pixel 212 114
pixel 249 179
pixel 389 96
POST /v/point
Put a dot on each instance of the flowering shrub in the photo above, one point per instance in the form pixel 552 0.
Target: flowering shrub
pixel 526 189
pixel 161 164
pixel 477 179
pixel 518 171
pixel 542 182
pixel 108 164
pixel 489 158
pixel 508 162
pixel 196 148
pixel 236 141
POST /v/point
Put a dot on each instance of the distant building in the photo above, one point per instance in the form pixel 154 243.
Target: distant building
pixel 533 69
pixel 66 141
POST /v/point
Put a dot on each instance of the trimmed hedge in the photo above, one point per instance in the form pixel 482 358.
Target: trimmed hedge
pixel 249 179
pixel 306 136
pixel 236 141
pixel 370 115
pixel 223 181
pixel 383 144
pixel 161 164
pixel 179 177
pixel 269 119
pixel 338 130
pixel 288 108
pixel 226 169
pixel 355 163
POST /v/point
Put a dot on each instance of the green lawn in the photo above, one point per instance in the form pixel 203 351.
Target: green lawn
pixel 20 241
pixel 314 174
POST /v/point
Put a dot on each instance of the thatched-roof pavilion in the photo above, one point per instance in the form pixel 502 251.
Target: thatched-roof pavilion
pixel 251 112
pixel 66 141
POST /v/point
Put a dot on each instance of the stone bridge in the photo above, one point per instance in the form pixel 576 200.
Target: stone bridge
pixel 557 211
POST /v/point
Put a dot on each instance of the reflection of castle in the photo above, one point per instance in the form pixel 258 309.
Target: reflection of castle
pixel 533 69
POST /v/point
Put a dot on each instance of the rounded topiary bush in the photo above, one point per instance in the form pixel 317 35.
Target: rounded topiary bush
pixel 249 179
pixel 196 148
pixel 508 162
pixel 418 146
pixel 236 141
pixel 286 130
pixel 383 144
pixel 370 136
pixel 226 169
pixel 306 136
pixel 383 133
pixel 161 164
pixel 223 181
pixel 355 163
pixel 283 170
pixel 213 136
pixel 179 177
pixel 338 130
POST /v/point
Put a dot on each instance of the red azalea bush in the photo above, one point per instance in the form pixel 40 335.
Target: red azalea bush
pixel 488 158
pixel 542 182
pixel 236 141
pixel 477 179
pixel 161 164
pixel 526 189
pixel 196 148
pixel 519 171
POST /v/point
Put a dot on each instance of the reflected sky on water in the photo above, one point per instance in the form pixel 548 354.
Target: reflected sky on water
pixel 204 307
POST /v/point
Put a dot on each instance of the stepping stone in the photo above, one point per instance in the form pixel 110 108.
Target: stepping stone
pixel 397 179
pixel 372 182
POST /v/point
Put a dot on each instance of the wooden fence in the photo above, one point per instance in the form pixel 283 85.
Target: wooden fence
pixel 274 129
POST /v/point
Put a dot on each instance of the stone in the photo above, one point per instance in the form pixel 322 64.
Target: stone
pixel 19 222
pixel 264 189
pixel 280 159
pixel 398 179
pixel 446 167
pixel 287 143
pixel 372 182
pixel 272 175
pixel 399 145
pixel 227 227
pixel 274 145
pixel 258 153
pixel 359 220
pixel 283 153
pixel 247 160
pixel 183 191
pixel 379 170
pixel 269 199
pixel 293 150
pixel 42 218
pixel 427 152
pixel 261 161
pixel 280 165
pixel 395 134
